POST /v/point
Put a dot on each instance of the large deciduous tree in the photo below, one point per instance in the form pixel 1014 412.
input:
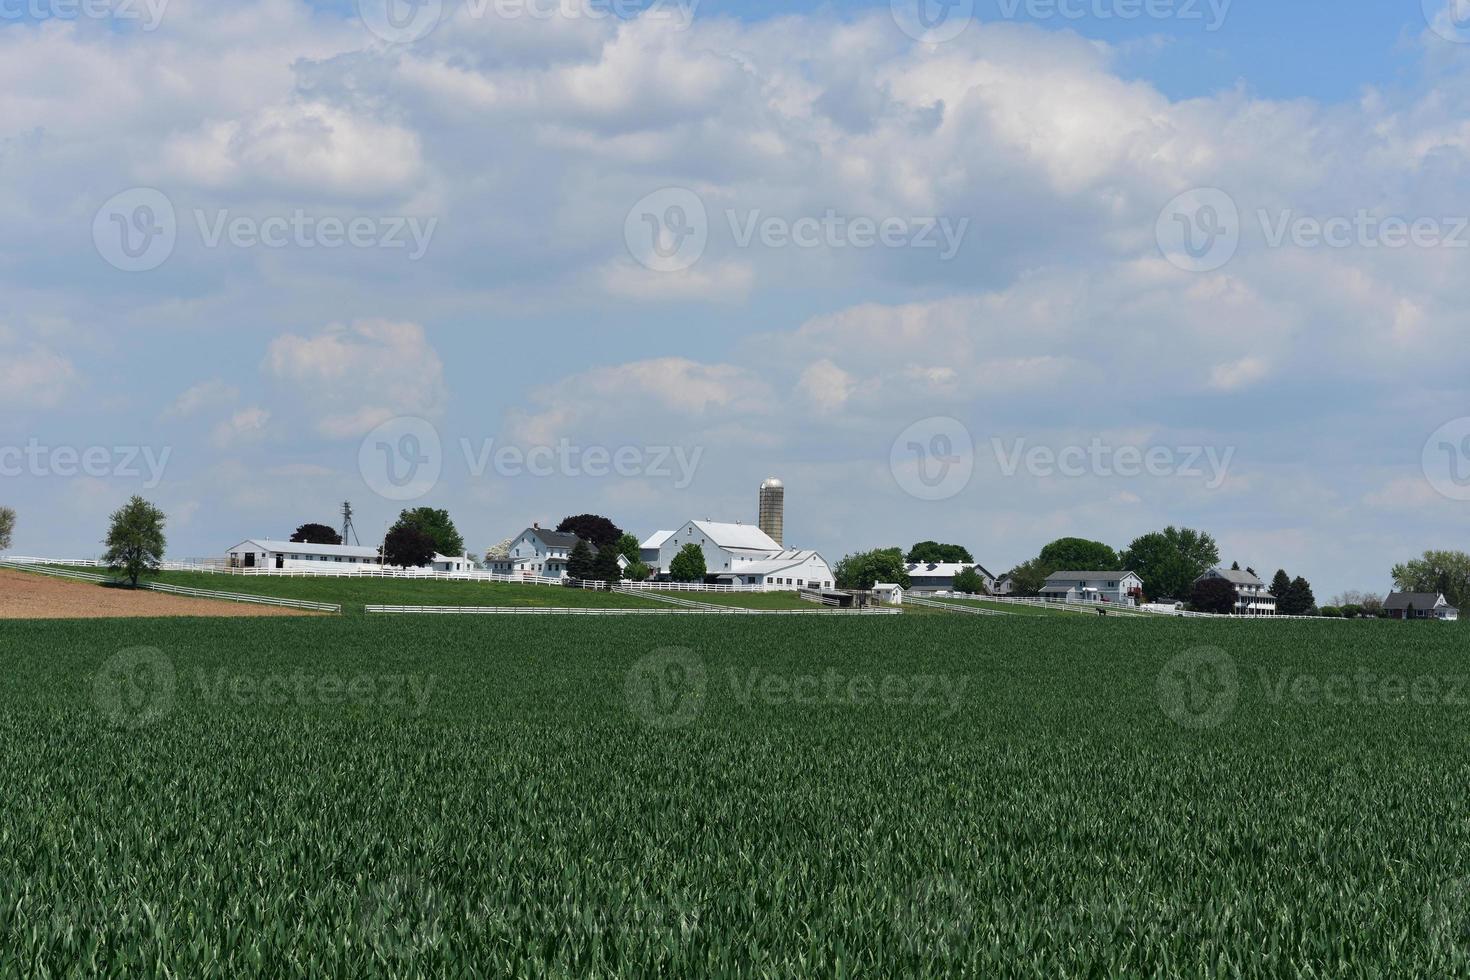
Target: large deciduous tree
pixel 942 554
pixel 970 583
pixel 688 565
pixel 1213 595
pixel 1446 572
pixel 600 531
pixel 629 547
pixel 7 526
pixel 436 524
pixel 315 534
pixel 867 568
pixel 1078 554
pixel 1169 561
pixel 135 540
pixel 408 546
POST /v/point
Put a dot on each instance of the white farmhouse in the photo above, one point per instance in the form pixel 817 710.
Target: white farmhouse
pixel 743 554
pixel 1252 596
pixel 1121 587
pixel 537 553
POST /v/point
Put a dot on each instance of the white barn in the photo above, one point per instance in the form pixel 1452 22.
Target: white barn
pixel 743 554
pixel 287 555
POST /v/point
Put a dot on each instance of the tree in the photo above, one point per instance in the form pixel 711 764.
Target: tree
pixel 940 554
pixel 581 563
pixel 408 546
pixel 865 569
pixel 1027 578
pixel 1235 566
pixel 600 531
pixel 1365 603
pixel 439 528
pixel 7 526
pixel 1169 561
pixel 637 572
pixel 970 582
pixel 1446 572
pixel 688 564
pixel 1299 599
pixel 629 547
pixel 1281 588
pixel 1213 595
pixel 605 565
pixel 315 534
pixel 499 552
pixel 1078 554
pixel 135 541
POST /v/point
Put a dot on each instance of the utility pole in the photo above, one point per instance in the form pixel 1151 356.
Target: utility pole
pixel 349 533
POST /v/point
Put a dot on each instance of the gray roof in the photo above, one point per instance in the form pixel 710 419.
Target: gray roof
pixel 1237 577
pixel 1086 575
pixel 1419 600
pixel 553 539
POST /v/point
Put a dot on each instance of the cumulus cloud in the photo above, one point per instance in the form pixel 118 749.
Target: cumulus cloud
pixel 351 378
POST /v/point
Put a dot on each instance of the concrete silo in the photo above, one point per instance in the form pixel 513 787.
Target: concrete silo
pixel 773 509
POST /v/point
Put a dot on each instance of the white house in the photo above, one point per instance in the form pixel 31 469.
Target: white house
pixel 743 554
pixel 930 577
pixel 1121 587
pixel 537 553
pixel 1420 605
pixel 443 563
pixel 1252 597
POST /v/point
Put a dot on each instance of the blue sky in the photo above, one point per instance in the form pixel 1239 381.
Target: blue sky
pixel 1316 359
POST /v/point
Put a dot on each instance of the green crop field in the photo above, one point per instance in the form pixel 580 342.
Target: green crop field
pixel 935 795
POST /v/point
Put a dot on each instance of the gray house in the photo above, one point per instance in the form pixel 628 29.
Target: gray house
pixel 1125 588
pixel 1419 605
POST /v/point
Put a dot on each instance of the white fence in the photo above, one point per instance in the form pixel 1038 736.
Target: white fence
pixel 549 611
pixel 44 568
pixel 952 606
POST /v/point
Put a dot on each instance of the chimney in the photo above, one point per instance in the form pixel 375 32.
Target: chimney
pixel 535 525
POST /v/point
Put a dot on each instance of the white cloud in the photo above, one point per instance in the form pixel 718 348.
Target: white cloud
pixel 352 378
pixel 1238 374
pixel 35 376
pixel 207 394
pixel 245 426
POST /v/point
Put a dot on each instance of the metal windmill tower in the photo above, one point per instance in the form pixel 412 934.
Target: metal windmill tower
pixel 349 533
